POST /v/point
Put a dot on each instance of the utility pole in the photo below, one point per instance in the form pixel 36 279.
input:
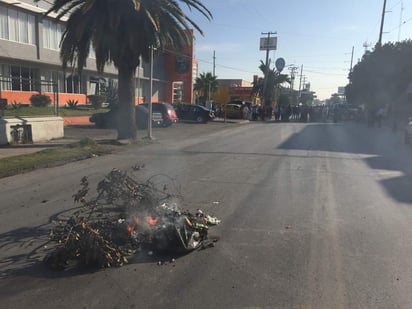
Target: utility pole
pixel 293 70
pixel 351 59
pixel 382 22
pixel 304 82
pixel 214 63
pixel 267 61
pixel 366 45
pixel 300 80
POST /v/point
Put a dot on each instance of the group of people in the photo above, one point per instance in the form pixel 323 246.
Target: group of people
pixel 284 113
pixel 279 113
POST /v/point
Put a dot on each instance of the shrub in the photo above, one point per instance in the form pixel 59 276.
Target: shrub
pixel 15 105
pixel 96 100
pixel 72 104
pixel 40 100
pixel 83 143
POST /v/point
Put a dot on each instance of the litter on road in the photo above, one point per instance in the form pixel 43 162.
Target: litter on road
pixel 126 217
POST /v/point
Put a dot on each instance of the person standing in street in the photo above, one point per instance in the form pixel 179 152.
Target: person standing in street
pixel 245 112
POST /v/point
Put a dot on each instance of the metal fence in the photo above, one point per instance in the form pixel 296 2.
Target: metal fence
pixel 30 85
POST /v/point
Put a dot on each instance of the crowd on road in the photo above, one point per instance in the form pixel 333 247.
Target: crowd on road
pixel 285 113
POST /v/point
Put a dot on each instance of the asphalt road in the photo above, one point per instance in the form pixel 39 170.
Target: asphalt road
pixel 313 216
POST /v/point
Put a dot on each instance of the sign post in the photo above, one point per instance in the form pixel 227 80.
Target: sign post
pixel 268 43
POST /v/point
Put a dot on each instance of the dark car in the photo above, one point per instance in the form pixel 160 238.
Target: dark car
pixel 167 111
pixel 107 120
pixel 197 113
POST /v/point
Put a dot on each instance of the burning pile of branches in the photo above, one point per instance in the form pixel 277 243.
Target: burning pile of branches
pixel 124 217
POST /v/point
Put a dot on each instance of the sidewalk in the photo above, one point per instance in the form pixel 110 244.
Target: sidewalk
pixel 72 134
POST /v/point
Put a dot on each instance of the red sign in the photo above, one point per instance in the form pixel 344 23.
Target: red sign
pixel 240 90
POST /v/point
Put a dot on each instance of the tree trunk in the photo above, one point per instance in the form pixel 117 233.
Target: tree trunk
pixel 126 115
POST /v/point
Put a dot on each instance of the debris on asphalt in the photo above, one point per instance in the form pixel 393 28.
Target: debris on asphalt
pixel 125 217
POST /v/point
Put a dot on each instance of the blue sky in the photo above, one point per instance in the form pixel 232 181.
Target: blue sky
pixel 317 34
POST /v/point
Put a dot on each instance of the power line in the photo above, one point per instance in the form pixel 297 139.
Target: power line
pixel 395 5
pixel 324 73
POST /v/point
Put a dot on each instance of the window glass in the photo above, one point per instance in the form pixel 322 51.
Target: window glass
pixel 5 77
pixel 15 78
pixel 46 34
pixel 17 26
pixel 23 27
pixel 4 25
pixel 13 26
pixel 72 84
pixel 31 28
pixel 60 82
pixel 52 34
pixel 25 79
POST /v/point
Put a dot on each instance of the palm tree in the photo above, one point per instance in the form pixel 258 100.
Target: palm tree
pixel 121 32
pixel 266 87
pixel 206 83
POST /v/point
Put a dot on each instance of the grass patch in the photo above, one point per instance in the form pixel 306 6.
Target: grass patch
pixel 85 148
pixel 31 111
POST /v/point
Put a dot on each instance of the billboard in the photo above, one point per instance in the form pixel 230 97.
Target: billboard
pixel 341 90
pixel 268 43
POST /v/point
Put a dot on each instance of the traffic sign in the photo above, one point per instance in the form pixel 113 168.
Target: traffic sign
pixel 280 64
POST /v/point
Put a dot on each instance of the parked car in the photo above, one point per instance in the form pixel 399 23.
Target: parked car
pixel 408 131
pixel 197 113
pixel 167 111
pixel 232 110
pixel 107 120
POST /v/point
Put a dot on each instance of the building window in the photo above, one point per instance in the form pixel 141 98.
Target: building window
pixel 72 84
pixel 51 78
pixel 23 79
pixel 17 26
pixel 182 64
pixel 65 84
pixel 177 92
pixel 5 81
pixel 52 34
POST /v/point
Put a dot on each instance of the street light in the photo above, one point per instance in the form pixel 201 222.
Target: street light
pixel 149 120
pixel 208 94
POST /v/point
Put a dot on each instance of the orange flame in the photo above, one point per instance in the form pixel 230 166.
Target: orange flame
pixel 151 220
pixel 130 228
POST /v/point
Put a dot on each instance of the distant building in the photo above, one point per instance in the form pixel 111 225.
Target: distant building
pixel 233 89
pixel 234 83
